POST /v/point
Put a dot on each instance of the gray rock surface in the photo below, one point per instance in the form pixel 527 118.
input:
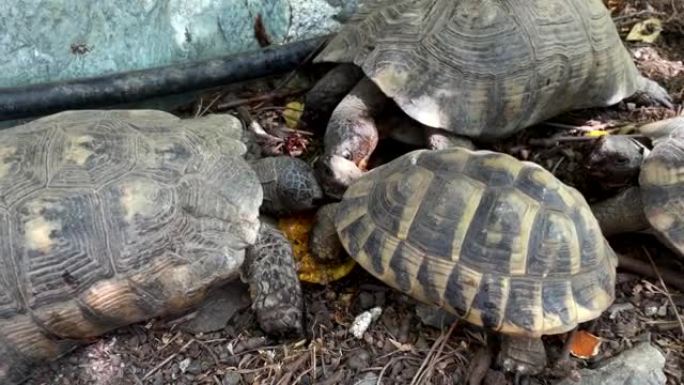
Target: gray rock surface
pixel 50 40
pixel 641 365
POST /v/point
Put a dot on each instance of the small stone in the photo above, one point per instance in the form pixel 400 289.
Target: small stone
pixel 359 359
pixel 650 308
pixel 231 378
pixel 662 311
pixel 158 378
pixel 362 321
pixel 366 379
pixel 641 365
pixel 183 365
pixel 194 368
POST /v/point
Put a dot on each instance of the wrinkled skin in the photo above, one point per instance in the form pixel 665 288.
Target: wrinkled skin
pixel 361 119
pixel 350 138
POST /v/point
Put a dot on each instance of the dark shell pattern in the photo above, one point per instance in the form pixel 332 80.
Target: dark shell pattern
pixel 508 63
pixel 662 189
pixel 500 242
pixel 109 218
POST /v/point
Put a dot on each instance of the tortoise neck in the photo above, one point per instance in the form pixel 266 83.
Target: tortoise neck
pixel 622 213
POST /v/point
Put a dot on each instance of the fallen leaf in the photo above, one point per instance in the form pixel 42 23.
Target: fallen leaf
pixel 596 133
pixel 309 269
pixel 292 114
pixel 585 345
pixel 646 31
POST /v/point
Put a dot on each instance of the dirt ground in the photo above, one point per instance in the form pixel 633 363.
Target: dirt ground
pixel 398 345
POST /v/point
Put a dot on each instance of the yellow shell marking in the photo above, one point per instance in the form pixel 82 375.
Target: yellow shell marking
pixel 5 153
pixel 415 185
pixel 659 174
pixel 138 198
pixel 76 152
pixel 528 212
pixel 37 230
pixel 473 191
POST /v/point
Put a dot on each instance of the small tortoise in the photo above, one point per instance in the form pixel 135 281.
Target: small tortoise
pixel 466 69
pixel 499 242
pixel 657 203
pixel 113 217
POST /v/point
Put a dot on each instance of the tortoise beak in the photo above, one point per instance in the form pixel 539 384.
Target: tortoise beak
pixel 335 174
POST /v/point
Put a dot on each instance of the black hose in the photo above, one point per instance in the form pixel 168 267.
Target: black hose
pixel 108 90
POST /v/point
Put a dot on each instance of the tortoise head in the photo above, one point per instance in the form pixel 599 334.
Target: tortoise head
pixel 336 173
pixel 348 144
pixel 616 161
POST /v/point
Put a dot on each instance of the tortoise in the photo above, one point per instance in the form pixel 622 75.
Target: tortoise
pixel 499 242
pixel 656 204
pixel 113 217
pixel 465 70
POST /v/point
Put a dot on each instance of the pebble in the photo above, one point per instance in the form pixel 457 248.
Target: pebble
pixel 363 321
pixel 641 365
pixel 366 379
pixel 359 359
pixel 231 378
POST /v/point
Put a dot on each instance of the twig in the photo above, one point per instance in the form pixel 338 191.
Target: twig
pixel 554 141
pixel 636 14
pixel 440 342
pixel 634 265
pixel 667 292
pixel 167 360
pixel 210 351
pixel 211 104
pixel 384 368
pixel 258 98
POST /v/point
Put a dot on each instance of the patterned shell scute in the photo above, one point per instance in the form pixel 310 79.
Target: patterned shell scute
pixel 662 186
pixel 92 198
pixel 500 242
pixel 507 63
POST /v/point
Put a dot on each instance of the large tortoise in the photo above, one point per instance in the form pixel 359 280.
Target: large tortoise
pixel 112 217
pixel 475 69
pixel 657 203
pixel 499 242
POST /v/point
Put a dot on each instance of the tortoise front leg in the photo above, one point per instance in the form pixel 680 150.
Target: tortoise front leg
pixel 274 287
pixel 524 356
pixel 321 100
pixel 351 137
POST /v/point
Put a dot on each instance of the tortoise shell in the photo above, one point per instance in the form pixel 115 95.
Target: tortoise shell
pixel 661 182
pixel 111 217
pixel 487 68
pixel 499 242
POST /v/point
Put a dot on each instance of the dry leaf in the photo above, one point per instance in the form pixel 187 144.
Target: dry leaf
pixel 596 133
pixel 297 229
pixel 646 31
pixel 585 345
pixel 292 114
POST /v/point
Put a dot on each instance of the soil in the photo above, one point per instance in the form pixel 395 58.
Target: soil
pixel 398 346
